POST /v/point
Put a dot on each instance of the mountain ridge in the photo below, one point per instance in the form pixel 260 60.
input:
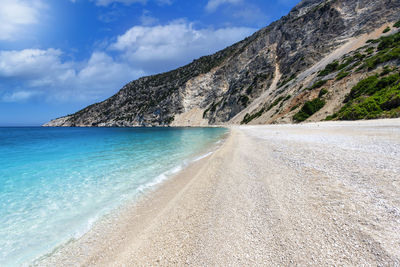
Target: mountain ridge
pixel 245 79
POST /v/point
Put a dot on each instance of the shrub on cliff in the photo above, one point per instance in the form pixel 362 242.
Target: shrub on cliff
pixel 373 97
pixel 386 30
pixel 308 109
pixel 332 67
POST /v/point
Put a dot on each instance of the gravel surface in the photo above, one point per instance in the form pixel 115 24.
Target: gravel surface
pixel 282 195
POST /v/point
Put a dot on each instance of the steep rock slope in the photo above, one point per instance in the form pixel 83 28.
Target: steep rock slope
pixel 362 79
pixel 242 83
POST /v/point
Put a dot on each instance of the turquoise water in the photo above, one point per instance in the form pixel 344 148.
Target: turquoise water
pixel 55 182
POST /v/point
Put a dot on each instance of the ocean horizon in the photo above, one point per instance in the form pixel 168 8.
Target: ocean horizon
pixel 56 182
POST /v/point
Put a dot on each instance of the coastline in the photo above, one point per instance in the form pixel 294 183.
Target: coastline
pixel 307 194
pixel 163 187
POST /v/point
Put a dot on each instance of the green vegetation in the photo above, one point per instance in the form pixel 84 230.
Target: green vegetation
pixel 370 50
pixel 342 75
pixel 317 85
pixel 331 117
pixel 169 120
pixel 332 67
pixel 367 109
pixel 372 41
pixel 322 92
pixel 386 70
pixel 276 102
pixel 386 30
pixel 211 108
pixel 371 85
pixel 346 63
pixel 286 80
pixel 308 109
pixel 397 24
pixel 373 97
pixel 358 63
pixel 295 107
pixel 248 118
pixel 284 100
pixel 389 41
pixel 358 56
pixel 388 50
pixel 336 66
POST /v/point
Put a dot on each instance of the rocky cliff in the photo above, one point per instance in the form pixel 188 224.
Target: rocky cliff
pixel 270 77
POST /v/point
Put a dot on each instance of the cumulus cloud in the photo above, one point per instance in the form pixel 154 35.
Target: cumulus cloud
pixel 102 74
pixel 162 47
pixel 15 15
pixel 142 50
pixel 30 63
pixel 213 5
pixel 44 72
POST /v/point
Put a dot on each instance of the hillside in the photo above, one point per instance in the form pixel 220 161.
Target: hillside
pixel 307 66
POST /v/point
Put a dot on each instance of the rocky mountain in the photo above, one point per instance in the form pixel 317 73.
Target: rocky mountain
pixel 302 67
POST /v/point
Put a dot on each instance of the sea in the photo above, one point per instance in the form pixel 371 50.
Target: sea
pixel 56 182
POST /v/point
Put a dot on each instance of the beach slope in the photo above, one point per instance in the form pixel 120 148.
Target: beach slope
pixel 312 194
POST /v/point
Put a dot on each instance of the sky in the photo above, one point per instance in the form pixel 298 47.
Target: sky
pixel 58 56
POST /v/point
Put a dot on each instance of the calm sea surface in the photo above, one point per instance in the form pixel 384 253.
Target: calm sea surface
pixel 55 182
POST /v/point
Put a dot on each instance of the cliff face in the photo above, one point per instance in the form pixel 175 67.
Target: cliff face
pixel 240 83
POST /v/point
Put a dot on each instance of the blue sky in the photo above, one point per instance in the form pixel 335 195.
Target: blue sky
pixel 58 56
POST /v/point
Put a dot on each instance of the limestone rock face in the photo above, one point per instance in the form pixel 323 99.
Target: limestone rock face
pixel 223 87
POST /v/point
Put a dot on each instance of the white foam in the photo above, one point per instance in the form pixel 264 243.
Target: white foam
pixel 167 174
pixel 145 187
pixel 203 156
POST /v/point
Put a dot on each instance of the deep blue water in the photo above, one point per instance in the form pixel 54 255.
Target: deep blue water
pixel 55 182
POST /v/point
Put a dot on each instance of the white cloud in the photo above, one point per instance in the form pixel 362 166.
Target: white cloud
pixel 15 15
pixel 44 71
pixel 142 50
pixel 103 75
pixel 163 47
pixel 30 63
pixel 213 5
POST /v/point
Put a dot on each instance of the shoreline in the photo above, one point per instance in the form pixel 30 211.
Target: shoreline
pixel 164 186
pixel 310 194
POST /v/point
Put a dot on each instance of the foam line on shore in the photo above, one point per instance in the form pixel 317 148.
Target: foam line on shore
pixel 142 191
